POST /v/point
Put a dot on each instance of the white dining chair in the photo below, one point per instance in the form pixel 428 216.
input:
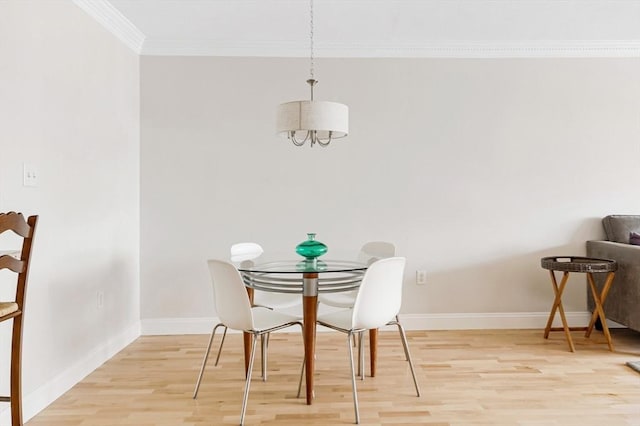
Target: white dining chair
pixel 369 253
pixel 235 312
pixel 377 304
pixel 242 254
pixel 245 255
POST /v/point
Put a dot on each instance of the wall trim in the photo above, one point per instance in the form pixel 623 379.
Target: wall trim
pixel 39 399
pixel 384 49
pixel 454 321
pixel 489 321
pixel 114 21
pixel 172 326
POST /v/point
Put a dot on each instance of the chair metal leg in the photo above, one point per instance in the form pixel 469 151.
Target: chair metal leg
pixel 361 355
pixel 300 382
pixel 408 355
pixel 206 356
pixel 248 383
pixel 264 345
pixel 353 378
pixel 221 343
pixel 406 351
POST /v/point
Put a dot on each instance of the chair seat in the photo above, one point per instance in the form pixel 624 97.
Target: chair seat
pixel 339 300
pixel 276 300
pixel 342 319
pixel 264 318
pixel 7 308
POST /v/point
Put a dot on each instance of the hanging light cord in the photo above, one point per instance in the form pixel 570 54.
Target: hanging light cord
pixel 311 62
pixel 311 135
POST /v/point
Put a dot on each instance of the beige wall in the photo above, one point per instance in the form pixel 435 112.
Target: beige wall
pixel 69 103
pixel 474 168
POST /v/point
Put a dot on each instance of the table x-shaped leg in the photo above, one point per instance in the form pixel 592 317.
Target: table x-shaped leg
pixel 557 305
pixel 599 310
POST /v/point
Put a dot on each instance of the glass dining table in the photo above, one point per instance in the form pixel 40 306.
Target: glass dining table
pixel 307 278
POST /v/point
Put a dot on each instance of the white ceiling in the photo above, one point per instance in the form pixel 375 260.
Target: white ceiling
pixel 374 28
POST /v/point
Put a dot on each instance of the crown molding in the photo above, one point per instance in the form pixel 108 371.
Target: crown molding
pixel 120 26
pixel 385 49
pixel 114 21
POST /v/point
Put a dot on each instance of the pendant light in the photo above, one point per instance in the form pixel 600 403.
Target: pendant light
pixel 314 121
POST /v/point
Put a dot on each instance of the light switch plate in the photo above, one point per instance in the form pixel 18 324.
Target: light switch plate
pixel 30 175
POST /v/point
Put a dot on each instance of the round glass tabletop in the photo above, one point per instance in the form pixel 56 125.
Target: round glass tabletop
pixel 288 276
pixel 302 266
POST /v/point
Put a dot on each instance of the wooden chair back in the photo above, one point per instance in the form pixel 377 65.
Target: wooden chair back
pixel 18 263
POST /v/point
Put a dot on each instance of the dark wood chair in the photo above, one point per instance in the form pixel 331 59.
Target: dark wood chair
pixel 17 262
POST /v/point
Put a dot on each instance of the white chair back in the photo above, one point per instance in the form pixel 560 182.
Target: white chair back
pixel 244 254
pixel 230 296
pixel 380 296
pixel 376 250
pixel 241 252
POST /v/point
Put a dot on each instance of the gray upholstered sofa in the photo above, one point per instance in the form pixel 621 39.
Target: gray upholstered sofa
pixel 623 303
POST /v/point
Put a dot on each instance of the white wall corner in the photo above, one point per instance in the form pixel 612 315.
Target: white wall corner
pixel 114 21
pixel 39 399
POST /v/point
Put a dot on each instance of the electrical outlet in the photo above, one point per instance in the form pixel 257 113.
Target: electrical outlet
pixel 421 277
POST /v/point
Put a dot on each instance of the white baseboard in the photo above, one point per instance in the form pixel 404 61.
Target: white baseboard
pixel 39 399
pixel 464 321
pixel 495 320
pixel 172 326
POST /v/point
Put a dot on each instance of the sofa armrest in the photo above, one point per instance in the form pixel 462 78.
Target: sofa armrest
pixel 620 252
pixel 623 303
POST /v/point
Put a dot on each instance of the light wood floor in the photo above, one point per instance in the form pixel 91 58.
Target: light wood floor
pixel 510 377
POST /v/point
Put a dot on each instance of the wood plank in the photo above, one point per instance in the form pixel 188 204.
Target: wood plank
pixel 506 377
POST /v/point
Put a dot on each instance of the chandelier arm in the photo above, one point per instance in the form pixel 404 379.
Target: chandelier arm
pixel 296 142
pixel 325 143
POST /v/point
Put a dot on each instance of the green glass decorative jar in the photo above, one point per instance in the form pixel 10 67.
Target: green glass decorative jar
pixel 311 248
